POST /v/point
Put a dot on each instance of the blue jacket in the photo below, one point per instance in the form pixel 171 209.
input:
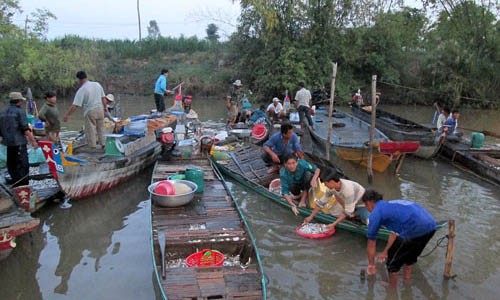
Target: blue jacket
pixel 13 125
pixel 161 85
pixel 406 218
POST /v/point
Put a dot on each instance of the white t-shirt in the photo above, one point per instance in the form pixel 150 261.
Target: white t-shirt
pixel 350 192
pixel 303 96
pixel 276 109
pixel 89 96
pixel 440 121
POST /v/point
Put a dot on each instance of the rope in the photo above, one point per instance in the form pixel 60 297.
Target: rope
pixel 432 92
pixel 438 244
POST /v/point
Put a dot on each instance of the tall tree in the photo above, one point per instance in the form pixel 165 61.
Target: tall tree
pixel 212 32
pixel 153 30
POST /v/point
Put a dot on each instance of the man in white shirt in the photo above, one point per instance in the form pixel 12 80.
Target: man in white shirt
pixel 303 96
pixel 275 110
pixel 91 97
pixel 348 196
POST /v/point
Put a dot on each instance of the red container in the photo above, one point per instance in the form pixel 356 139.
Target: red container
pixel 401 147
pixel 316 236
pixel 205 258
pixel 165 188
pixel 259 131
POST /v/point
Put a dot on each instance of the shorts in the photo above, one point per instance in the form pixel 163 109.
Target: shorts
pixel 406 251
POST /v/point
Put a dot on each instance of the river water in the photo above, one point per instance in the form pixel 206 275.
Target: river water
pixel 100 248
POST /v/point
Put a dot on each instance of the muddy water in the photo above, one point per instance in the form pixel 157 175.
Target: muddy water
pixel 99 248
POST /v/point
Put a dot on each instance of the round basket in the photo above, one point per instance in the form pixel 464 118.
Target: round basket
pixel 259 131
pixel 322 235
pixel 205 258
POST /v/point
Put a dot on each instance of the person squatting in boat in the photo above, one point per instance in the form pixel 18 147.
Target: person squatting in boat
pixel 296 178
pixel 279 144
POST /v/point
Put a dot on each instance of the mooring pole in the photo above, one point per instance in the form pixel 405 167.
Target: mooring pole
pixel 450 249
pixel 330 111
pixel 372 128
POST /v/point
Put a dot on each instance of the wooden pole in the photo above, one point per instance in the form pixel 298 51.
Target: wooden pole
pixel 450 250
pixel 330 111
pixel 372 128
pixel 139 20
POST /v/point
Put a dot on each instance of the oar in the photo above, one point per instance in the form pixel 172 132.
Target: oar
pixel 485 132
pixel 161 241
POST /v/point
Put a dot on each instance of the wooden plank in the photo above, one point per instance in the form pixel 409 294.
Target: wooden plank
pixel 209 221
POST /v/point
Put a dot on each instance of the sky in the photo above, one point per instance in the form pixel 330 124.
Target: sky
pixel 117 19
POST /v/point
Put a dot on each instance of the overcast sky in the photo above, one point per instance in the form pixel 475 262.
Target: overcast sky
pixel 117 19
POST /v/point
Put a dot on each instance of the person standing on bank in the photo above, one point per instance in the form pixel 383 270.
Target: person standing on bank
pixel 15 133
pixel 91 97
pixel 412 228
pixel 303 96
pixel 50 115
pixel 161 90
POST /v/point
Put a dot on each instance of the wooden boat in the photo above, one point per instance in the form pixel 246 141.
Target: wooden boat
pixel 483 162
pixel 400 129
pixel 253 174
pixel 350 138
pixel 41 189
pixel 86 173
pixel 14 221
pixel 213 220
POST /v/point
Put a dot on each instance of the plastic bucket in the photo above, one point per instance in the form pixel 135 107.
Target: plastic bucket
pixel 259 131
pixel 195 175
pixel 477 140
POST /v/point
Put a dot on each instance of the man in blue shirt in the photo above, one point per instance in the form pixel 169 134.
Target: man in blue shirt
pixel 161 90
pixel 14 130
pixel 283 142
pixel 296 178
pixel 411 225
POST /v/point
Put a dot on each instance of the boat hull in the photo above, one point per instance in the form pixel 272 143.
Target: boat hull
pixel 380 161
pixel 14 221
pixel 400 129
pixel 484 162
pixel 350 141
pixel 95 177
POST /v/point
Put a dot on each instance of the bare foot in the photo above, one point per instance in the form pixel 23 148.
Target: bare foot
pixel 302 204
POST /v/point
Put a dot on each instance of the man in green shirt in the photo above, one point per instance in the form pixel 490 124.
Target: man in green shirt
pixel 50 115
pixel 296 178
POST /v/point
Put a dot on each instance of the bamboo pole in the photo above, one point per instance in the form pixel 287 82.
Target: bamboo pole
pixel 450 250
pixel 372 128
pixel 330 111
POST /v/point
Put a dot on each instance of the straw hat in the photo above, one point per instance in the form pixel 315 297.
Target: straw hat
pixel 16 96
pixel 237 83
pixel 276 99
pixel 110 97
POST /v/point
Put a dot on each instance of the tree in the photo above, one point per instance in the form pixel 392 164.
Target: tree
pixel 212 34
pixel 153 30
pixel 8 8
pixel 38 24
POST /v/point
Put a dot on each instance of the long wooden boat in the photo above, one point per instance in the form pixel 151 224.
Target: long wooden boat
pixel 350 138
pixel 483 162
pixel 253 174
pixel 14 221
pixel 213 220
pixel 401 129
pixel 86 173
